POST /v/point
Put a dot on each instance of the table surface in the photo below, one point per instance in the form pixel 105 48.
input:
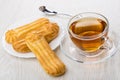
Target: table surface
pixel 13 68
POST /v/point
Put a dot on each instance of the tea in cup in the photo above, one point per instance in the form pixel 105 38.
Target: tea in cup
pixel 88 31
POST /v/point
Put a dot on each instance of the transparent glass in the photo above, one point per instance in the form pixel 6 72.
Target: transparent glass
pixel 75 49
pixel 88 31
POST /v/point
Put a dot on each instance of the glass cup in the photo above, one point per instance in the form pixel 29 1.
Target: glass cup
pixel 88 31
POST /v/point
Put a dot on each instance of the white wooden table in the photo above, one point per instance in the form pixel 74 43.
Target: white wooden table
pixel 13 68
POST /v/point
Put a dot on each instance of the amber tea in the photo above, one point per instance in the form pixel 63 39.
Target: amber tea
pixel 86 33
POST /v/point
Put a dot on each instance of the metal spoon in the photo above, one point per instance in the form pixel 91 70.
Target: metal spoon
pixel 51 13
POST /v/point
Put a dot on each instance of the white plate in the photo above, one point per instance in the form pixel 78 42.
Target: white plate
pixel 8 47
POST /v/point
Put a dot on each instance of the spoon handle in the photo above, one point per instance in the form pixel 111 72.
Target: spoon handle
pixel 52 13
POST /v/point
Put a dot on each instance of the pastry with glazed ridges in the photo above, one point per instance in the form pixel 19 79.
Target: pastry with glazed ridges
pixel 20 32
pixel 47 58
pixel 49 31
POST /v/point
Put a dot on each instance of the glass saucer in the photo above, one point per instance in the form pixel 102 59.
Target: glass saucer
pixel 74 53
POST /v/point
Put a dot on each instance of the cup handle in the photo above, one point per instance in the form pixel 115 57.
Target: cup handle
pixel 107 44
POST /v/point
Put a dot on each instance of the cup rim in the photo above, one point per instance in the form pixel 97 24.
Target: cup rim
pixel 94 36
